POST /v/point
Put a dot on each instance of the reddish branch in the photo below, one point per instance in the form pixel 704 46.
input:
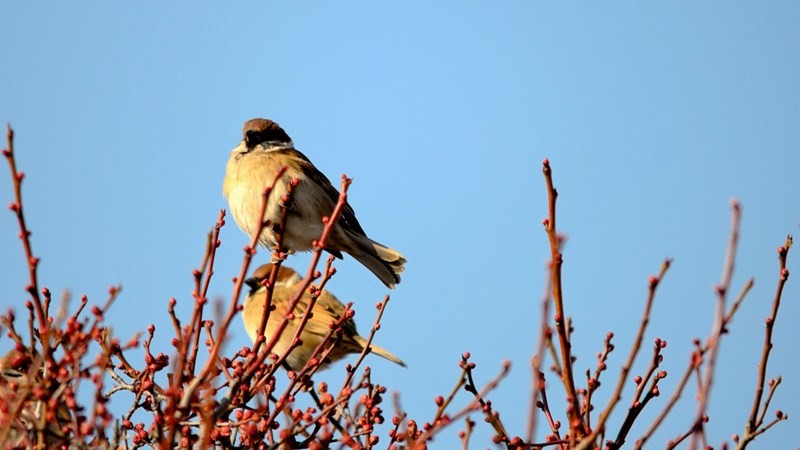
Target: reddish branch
pixel 189 412
pixel 467 433
pixel 536 364
pixel 278 255
pixel 593 382
pixel 756 420
pixel 347 385
pixel 719 325
pixel 626 368
pixel 258 357
pixel 638 403
pixel 544 405
pixel 319 247
pixel 577 427
pixel 250 251
pixel 38 386
pixel 695 361
pixel 234 307
pixel 24 233
pixel 188 341
pixel 201 293
pixel 442 419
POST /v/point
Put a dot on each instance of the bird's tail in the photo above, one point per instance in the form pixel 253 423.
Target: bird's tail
pixel 382 352
pixel 381 260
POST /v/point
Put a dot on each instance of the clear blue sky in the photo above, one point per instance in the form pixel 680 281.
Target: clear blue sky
pixel 653 118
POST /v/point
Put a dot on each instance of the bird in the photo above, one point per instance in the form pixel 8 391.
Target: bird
pixel 253 165
pixel 327 310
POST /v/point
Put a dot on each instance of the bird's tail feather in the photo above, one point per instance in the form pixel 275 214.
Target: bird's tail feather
pixel 382 352
pixel 383 261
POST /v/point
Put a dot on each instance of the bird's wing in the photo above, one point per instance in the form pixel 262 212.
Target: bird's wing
pixel 328 309
pixel 348 216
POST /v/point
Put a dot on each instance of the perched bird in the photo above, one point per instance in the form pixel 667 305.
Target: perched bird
pixel 253 165
pixel 327 309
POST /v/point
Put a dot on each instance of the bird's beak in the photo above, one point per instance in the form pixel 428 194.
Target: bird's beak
pixel 253 283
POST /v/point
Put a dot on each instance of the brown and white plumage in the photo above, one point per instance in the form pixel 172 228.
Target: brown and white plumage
pixel 253 165
pixel 327 310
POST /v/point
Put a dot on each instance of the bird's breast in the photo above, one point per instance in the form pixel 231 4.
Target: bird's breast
pixel 246 178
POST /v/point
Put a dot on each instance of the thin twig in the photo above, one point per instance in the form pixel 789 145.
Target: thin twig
pixel 755 420
pixel 24 233
pixel 626 368
pixel 538 357
pixel 257 359
pixel 593 382
pixel 694 362
pixel 576 425
pixel 638 403
pixel 544 405
pixel 719 324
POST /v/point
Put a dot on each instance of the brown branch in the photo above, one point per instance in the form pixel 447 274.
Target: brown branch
pixel 544 405
pixel 278 256
pixel 319 246
pixel 491 416
pixel 674 443
pixel 250 251
pixel 207 270
pixel 719 323
pixel 471 407
pixel 375 327
pixel 396 421
pixel 638 403
pixel 213 358
pixel 311 364
pixel 188 340
pixel 694 362
pixel 467 433
pixel 351 369
pixel 735 307
pixel 593 383
pixel 779 416
pixel 24 233
pixel 551 349
pixel 442 403
pixel 256 359
pixel 305 316
pixel 773 386
pixel 625 371
pixel 538 357
pixel 576 425
pixel 755 420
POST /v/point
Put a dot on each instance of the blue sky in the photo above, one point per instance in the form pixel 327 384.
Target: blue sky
pixel 653 118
